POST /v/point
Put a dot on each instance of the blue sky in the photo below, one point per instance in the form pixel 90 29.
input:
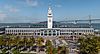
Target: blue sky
pixel 24 11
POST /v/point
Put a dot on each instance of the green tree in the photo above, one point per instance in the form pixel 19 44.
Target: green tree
pixel 15 51
pixel 63 49
pixel 50 48
pixel 1 40
pixel 4 51
pixel 89 44
pixel 39 43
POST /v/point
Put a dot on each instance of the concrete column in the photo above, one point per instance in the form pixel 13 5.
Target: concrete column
pixel 47 32
pixel 43 33
pixel 40 33
pixel 51 32
pixel 36 33
pixel 56 32
pixel 73 36
pixel 59 33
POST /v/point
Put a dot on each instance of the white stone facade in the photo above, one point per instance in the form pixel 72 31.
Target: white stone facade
pixel 49 32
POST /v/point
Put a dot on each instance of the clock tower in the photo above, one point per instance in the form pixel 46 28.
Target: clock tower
pixel 50 17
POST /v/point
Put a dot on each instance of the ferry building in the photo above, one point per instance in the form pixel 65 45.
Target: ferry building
pixel 51 28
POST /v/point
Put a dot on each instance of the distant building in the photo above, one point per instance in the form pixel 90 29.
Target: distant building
pixel 51 28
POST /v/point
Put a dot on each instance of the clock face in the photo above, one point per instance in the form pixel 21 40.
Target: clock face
pixel 49 20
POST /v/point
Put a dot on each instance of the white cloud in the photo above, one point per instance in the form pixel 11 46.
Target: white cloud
pixel 32 2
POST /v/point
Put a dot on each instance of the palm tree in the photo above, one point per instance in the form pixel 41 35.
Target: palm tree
pixel 89 44
pixel 48 43
pixel 49 46
pixel 4 51
pixel 97 39
pixel 49 50
pixel 15 51
pixel 25 40
pixel 1 41
pixel 64 50
pixel 17 39
pixel 54 51
pixel 32 39
pixel 39 43
pixel 21 42
pixel 8 41
pixel 29 43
